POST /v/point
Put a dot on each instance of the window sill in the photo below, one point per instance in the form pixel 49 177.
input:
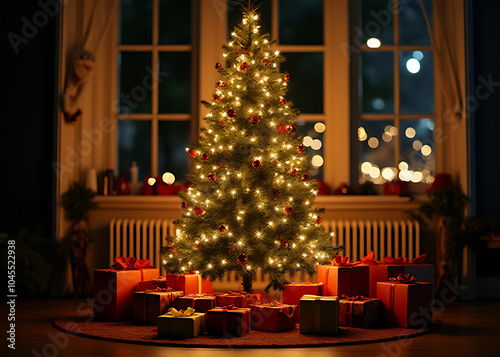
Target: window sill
pixel 330 203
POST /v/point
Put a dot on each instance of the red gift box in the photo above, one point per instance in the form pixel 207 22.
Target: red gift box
pixel 158 282
pixel 238 298
pixel 200 302
pixel 114 288
pixel 294 291
pixel 359 311
pixel 377 271
pixel 228 321
pixel 406 303
pixel 416 267
pixel 189 283
pixel 342 277
pixel 158 303
pixel 273 316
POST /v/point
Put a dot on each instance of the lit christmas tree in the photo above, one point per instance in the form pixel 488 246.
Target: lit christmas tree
pixel 250 206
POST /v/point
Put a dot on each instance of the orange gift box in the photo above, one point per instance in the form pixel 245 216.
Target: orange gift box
pixel 406 303
pixel 199 302
pixel 113 289
pixel 189 283
pixel 343 278
pixel 293 293
pixel 273 316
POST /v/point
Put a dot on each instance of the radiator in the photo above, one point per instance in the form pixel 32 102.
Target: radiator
pixel 144 238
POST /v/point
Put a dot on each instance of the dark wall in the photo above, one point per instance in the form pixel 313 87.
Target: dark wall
pixel 486 117
pixel 27 114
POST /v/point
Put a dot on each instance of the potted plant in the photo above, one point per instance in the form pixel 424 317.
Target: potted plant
pixel 77 202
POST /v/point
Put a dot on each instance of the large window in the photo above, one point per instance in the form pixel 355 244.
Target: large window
pixel 155 89
pixel 392 96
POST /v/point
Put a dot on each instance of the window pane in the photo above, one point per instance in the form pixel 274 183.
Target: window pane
pixel 234 15
pixel 412 27
pixel 301 22
pixel 377 93
pixel 376 21
pixel 416 73
pixel 135 80
pixel 175 82
pixel 175 22
pixel 312 134
pixel 306 83
pixel 134 144
pixel 133 32
pixel 377 142
pixel 173 138
pixel 417 150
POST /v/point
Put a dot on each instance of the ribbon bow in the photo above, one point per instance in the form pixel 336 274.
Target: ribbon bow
pixel 163 290
pixel 353 298
pixel 369 259
pixel 228 307
pixel 341 261
pixel 403 279
pixel 183 313
pixel 403 260
pixel 131 263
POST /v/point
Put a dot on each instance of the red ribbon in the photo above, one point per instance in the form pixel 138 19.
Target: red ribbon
pixel 229 307
pixel 404 261
pixel 369 259
pixel 163 290
pixel 403 279
pixel 341 261
pixel 353 298
pixel 131 263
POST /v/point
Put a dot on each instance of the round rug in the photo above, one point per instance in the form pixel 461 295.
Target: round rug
pixel 80 323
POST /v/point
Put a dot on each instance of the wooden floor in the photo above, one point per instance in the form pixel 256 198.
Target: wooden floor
pixel 469 329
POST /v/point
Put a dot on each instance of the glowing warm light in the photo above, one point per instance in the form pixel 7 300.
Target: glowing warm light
pixel 168 178
pixel 393 131
pixel 387 137
pixel 410 132
pixel 319 127
pixel 373 42
pixel 374 172
pixel 373 142
pixel 413 65
pixel 362 136
pixel 403 166
pixel 317 161
pixel 417 177
pixel 388 173
pixel 405 175
pixel 366 167
pixel 307 141
pixel 316 144
pixel 426 150
pixel 151 181
pixel 417 145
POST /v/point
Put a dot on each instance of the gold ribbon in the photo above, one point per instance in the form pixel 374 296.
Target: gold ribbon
pixel 182 313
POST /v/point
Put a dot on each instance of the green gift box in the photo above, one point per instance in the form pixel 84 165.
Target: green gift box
pixel 186 324
pixel 319 314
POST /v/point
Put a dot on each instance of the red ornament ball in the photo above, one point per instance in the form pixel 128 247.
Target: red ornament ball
pixel 256 164
pixel 287 77
pixel 244 66
pixel 184 204
pixel 255 119
pixel 282 128
pixel 265 61
pixel 217 98
pixel 319 220
pixel 198 210
pixel 212 177
pixel 205 156
pixel 231 113
pixel 197 247
pixel 221 84
pixel 231 250
pixel 218 65
pixel 222 123
pixel 293 172
pixel 282 100
pixel 283 243
pixel 292 128
pixel 288 209
pixel 242 259
pixel 192 153
pixel 222 228
pixel 301 149
pixel 305 177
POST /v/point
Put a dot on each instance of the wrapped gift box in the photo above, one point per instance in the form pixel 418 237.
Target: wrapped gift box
pixel 199 302
pixel 189 283
pixel 343 278
pixel 294 291
pixel 406 303
pixel 416 267
pixel 359 311
pixel 228 321
pixel 158 303
pixel 319 314
pixel 186 325
pixel 158 282
pixel 273 316
pixel 113 289
pixel 381 272
pixel 238 298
